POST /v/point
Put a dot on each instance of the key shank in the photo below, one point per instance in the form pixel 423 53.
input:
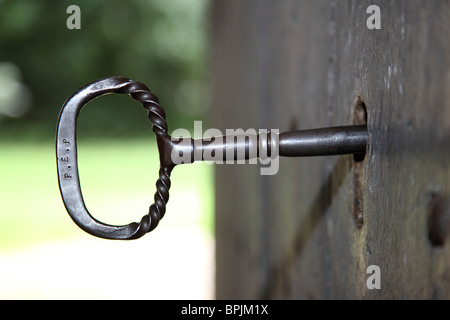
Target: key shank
pixel 306 143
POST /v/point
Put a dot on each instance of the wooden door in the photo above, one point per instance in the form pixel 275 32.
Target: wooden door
pixel 320 227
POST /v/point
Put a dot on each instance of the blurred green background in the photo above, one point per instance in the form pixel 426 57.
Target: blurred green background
pixel 162 43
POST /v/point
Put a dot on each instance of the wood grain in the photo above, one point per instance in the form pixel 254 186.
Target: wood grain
pixel 303 64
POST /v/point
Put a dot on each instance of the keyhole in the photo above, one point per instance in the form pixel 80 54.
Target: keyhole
pixel 359 118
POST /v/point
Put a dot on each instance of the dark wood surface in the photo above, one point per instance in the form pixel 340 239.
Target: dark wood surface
pixel 304 64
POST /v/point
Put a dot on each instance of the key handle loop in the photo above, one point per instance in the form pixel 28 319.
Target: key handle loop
pixel 67 163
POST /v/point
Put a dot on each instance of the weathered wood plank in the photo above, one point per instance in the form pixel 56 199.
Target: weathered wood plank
pixel 303 64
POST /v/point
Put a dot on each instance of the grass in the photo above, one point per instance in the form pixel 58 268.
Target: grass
pixel 118 183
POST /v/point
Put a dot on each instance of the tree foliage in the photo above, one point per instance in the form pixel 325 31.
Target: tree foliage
pixel 162 43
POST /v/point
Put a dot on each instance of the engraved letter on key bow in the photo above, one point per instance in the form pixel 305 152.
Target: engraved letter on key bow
pixel 67 176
